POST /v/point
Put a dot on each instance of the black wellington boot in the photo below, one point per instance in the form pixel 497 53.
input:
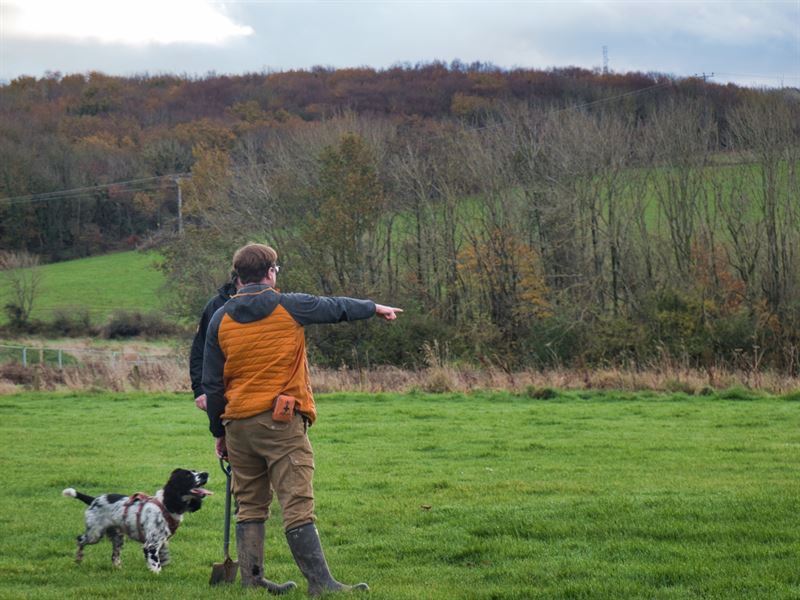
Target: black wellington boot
pixel 250 554
pixel 307 551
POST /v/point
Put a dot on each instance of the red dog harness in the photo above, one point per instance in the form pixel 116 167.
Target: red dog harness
pixel 143 499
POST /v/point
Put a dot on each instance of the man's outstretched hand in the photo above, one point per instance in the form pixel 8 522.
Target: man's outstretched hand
pixel 387 312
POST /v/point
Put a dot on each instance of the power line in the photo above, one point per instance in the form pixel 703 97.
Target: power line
pixel 625 95
pixel 75 196
pixel 760 75
pixel 67 194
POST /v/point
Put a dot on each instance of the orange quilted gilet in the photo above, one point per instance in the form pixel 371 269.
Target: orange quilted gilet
pixel 263 359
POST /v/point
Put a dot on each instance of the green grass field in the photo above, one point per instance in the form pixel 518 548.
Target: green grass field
pixel 99 284
pixel 588 495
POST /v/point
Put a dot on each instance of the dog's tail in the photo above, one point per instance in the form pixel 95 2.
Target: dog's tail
pixel 72 493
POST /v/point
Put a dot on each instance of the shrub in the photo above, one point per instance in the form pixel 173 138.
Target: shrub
pixel 439 380
pixel 738 393
pixel 16 373
pixel 538 393
pixel 681 386
pixel 72 322
pixel 365 344
pixel 124 324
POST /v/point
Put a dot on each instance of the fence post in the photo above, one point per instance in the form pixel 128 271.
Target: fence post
pixel 24 356
pixel 60 362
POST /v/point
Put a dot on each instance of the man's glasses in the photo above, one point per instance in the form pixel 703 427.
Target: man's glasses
pixel 277 269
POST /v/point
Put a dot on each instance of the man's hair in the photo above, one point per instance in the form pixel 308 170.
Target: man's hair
pixel 253 261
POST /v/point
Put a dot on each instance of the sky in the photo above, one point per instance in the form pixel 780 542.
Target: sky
pixel 754 43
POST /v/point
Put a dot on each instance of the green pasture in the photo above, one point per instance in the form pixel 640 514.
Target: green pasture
pixel 489 495
pixel 641 188
pixel 99 284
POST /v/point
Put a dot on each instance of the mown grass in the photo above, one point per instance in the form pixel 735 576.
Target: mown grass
pixel 488 495
pixel 98 285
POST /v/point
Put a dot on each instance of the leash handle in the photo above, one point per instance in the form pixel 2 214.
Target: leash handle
pixel 227 538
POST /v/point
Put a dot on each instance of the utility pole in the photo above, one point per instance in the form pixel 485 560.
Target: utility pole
pixel 180 206
pixel 605 60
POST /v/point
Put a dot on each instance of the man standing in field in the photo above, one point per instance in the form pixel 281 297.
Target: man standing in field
pixel 260 405
pixel 224 294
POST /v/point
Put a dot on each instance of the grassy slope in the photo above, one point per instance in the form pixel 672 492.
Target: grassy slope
pixel 655 218
pixel 100 284
pixel 481 496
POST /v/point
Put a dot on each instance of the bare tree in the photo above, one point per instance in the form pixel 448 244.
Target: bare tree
pixel 743 231
pixel 679 138
pixel 23 278
pixel 767 126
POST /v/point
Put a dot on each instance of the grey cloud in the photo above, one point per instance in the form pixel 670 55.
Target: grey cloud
pixel 682 38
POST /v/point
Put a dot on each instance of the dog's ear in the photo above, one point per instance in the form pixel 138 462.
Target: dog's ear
pixel 181 478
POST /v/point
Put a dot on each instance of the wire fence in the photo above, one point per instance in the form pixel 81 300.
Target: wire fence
pixel 61 357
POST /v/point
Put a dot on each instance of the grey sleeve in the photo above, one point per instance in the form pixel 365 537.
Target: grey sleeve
pixel 213 382
pixel 308 310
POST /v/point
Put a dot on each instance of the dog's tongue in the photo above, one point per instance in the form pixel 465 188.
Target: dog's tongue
pixel 201 492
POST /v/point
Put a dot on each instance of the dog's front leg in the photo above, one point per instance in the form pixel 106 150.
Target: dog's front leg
pixel 163 554
pixel 152 551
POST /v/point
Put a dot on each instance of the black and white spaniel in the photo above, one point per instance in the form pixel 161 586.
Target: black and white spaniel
pixel 151 520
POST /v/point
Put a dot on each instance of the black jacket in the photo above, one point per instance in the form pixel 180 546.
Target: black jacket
pixel 199 343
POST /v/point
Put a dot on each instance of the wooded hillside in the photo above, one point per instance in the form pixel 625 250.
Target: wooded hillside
pixel 522 217
pixel 88 131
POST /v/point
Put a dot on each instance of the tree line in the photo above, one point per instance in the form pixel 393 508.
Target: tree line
pixel 544 237
pixel 86 132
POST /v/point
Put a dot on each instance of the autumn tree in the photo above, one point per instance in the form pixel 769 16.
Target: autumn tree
pixel 344 245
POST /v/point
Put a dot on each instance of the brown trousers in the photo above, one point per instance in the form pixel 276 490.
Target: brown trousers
pixel 266 455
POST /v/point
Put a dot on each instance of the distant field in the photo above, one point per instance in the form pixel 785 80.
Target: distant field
pixel 483 496
pixel 726 175
pixel 99 284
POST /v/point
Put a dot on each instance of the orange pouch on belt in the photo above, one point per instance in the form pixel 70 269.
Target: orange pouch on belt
pixel 283 411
